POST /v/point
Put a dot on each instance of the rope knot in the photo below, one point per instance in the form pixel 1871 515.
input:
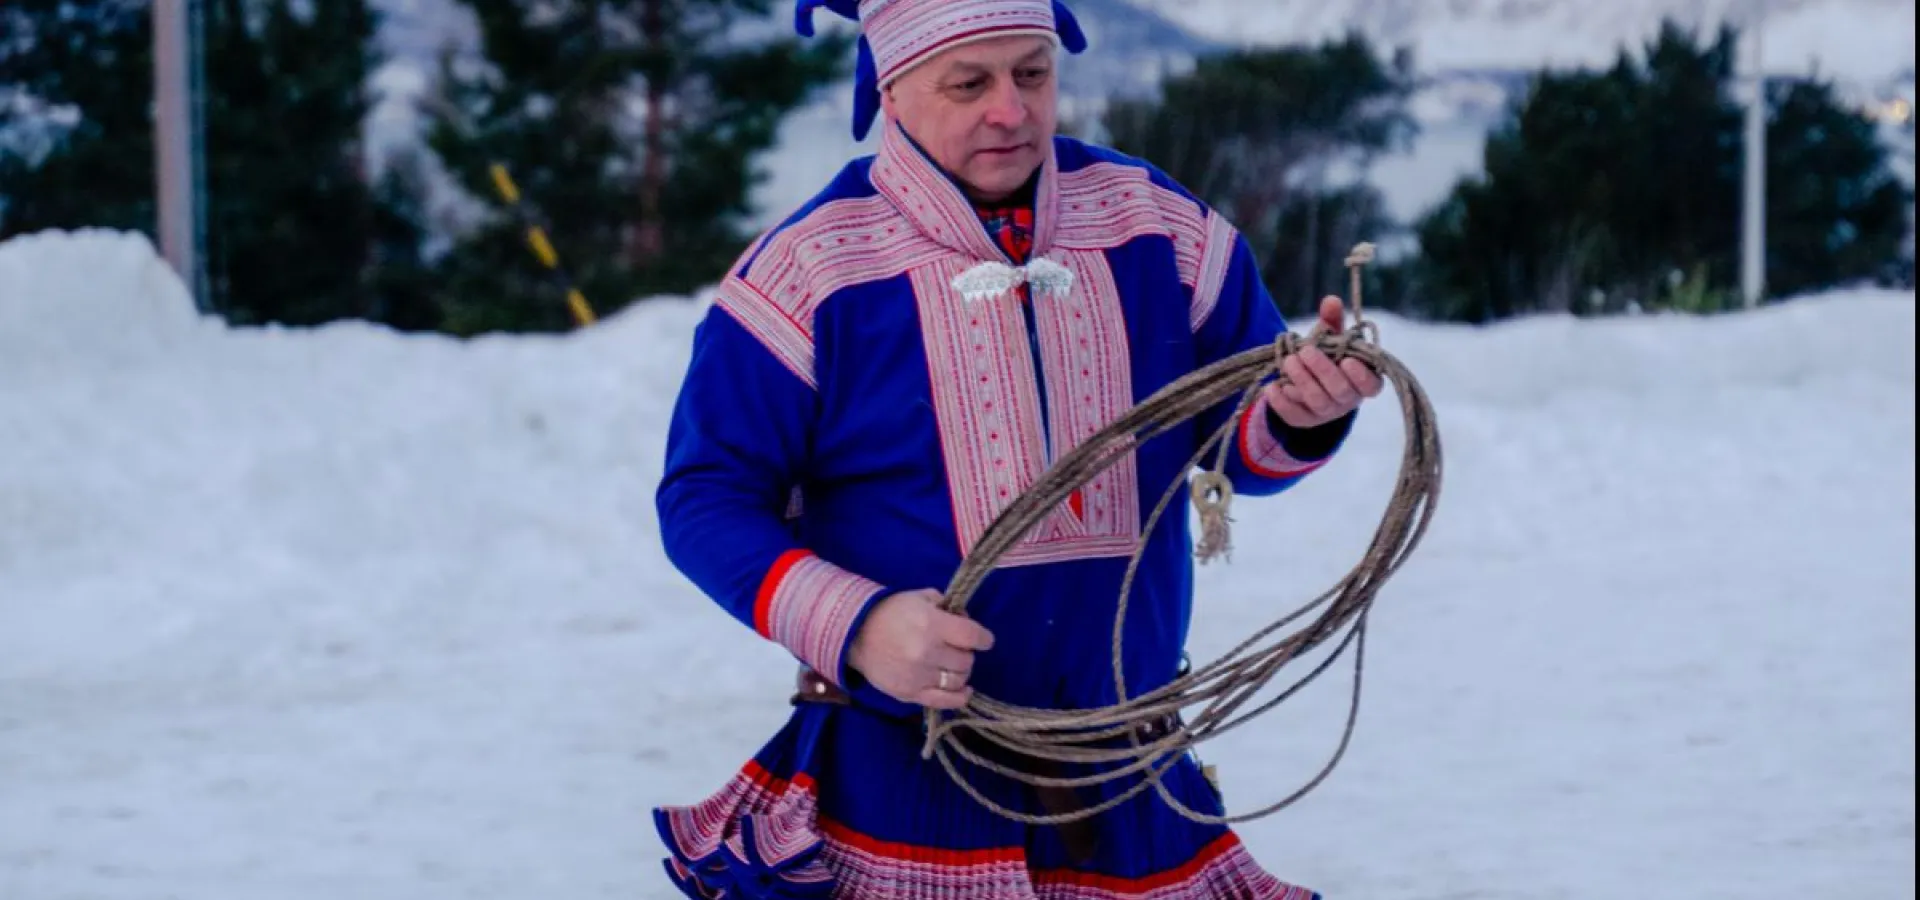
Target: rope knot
pixel 1213 496
pixel 1344 345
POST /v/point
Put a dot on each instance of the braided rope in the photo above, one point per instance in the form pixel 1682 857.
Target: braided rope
pixel 1225 688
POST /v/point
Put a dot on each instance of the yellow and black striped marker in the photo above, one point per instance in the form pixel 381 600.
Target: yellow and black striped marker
pixel 542 247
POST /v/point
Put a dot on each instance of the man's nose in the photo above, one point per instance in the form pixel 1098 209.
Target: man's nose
pixel 1006 106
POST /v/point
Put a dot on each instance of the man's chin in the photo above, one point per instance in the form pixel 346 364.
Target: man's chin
pixel 1003 177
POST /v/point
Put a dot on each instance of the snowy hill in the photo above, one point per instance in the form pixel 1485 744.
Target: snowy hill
pixel 341 613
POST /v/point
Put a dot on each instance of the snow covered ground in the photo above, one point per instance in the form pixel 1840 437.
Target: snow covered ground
pixel 305 616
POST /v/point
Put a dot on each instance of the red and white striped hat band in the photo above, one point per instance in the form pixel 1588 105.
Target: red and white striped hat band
pixel 906 32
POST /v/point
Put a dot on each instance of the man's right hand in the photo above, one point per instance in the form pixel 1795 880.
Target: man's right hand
pixel 915 652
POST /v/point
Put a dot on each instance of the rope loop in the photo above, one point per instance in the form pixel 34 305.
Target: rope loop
pixel 1212 492
pixel 1226 693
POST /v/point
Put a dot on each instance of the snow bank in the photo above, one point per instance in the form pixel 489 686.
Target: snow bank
pixel 347 613
pixel 188 483
pixel 102 296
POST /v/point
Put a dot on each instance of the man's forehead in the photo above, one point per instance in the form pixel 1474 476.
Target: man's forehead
pixel 995 53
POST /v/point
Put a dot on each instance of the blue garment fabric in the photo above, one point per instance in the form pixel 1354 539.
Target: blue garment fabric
pixel 850 422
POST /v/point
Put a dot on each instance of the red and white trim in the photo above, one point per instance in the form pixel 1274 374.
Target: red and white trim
pixel 1105 205
pixel 808 606
pixel 1224 870
pixel 1260 449
pixel 986 401
pixel 1084 350
pixel 784 816
pixel 790 340
pixel 787 822
pixel 986 397
pixel 1211 276
pixel 935 207
pixel 866 867
pixel 842 243
pixel 904 33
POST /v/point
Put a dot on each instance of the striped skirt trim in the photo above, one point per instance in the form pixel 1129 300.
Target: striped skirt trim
pixel 764 835
pixel 1224 869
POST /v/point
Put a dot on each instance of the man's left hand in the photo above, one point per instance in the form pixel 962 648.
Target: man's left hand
pixel 1316 391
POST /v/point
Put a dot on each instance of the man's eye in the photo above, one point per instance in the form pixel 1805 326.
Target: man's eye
pixel 971 85
pixel 1032 76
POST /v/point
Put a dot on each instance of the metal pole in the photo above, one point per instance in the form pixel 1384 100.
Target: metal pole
pixel 173 142
pixel 203 298
pixel 1753 208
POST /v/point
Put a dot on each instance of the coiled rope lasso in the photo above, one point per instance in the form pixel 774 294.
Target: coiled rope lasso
pixel 1223 689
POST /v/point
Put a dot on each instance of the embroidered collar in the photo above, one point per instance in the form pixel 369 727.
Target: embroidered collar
pixel 939 209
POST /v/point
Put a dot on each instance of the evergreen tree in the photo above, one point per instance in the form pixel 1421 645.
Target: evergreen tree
pixel 632 127
pixel 81 80
pixel 1260 136
pixel 289 204
pixel 1837 212
pixel 1621 188
pixel 400 282
pixel 289 210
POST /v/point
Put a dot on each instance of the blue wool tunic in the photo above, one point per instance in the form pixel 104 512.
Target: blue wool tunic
pixel 857 410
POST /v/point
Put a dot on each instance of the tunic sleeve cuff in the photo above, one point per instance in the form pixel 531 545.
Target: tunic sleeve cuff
pixel 1272 449
pixel 814 608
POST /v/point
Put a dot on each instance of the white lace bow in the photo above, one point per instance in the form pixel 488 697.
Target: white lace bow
pixel 992 279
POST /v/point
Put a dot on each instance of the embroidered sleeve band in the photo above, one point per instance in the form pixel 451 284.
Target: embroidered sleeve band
pixel 1263 453
pixel 810 607
pixel 1214 261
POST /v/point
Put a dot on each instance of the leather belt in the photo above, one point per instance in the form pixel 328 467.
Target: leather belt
pixel 813 687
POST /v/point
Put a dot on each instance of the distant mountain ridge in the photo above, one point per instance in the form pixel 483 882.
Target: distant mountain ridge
pixel 1472 52
pixel 1130 46
pixel 1130 49
pixel 1862 40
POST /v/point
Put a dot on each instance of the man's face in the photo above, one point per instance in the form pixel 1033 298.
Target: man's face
pixel 985 112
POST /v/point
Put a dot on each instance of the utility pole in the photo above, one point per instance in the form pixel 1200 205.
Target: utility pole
pixel 174 149
pixel 1753 208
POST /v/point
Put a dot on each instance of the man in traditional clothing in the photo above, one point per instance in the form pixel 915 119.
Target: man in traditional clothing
pixel 880 376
